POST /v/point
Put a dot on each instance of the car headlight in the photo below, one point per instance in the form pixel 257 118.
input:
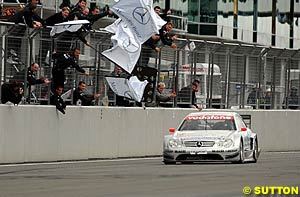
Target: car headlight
pixel 226 143
pixel 175 143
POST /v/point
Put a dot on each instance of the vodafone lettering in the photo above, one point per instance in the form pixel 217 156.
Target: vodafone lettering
pixel 209 117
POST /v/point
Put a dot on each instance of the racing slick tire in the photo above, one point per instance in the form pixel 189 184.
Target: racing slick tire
pixel 255 151
pixel 169 162
pixel 241 154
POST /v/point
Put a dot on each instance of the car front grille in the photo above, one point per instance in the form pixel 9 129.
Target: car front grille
pixel 209 157
pixel 199 143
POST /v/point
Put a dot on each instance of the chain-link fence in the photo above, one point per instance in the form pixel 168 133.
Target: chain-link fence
pixel 230 74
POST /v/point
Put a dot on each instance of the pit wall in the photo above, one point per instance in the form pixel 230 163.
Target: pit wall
pixel 40 133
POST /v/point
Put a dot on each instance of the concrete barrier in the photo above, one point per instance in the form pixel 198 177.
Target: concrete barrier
pixel 40 133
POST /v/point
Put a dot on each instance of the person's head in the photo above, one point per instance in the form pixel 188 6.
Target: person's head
pixel 35 2
pixel 16 85
pixel 160 87
pixel 95 10
pixel 81 85
pixel 65 11
pixel 196 81
pixel 35 67
pixel 76 52
pixel 118 70
pixel 81 4
pixel 85 11
pixel 59 90
pixel 195 87
pixel 157 9
pixel 169 26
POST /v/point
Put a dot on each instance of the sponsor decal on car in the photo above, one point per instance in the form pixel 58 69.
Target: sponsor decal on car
pixel 209 117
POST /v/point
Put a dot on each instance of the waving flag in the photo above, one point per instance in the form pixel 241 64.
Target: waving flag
pixel 71 26
pixel 140 17
pixel 132 88
pixel 112 28
pixel 159 22
pixel 126 49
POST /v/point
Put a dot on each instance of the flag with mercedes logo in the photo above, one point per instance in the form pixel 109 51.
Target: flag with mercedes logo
pixel 126 49
pixel 140 17
pixel 132 88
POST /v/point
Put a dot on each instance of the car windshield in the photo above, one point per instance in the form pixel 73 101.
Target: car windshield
pixel 200 123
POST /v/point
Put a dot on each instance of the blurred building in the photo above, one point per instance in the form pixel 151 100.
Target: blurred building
pixel 267 22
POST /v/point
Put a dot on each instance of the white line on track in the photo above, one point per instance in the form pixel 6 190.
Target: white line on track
pixel 73 162
pixel 109 160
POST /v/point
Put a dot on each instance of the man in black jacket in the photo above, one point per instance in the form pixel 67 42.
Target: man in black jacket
pixel 151 44
pixel 31 75
pixel 11 92
pixel 78 8
pixel 148 47
pixel 28 16
pixel 81 98
pixel 95 15
pixel 165 36
pixel 188 96
pixel 56 100
pixel 62 62
pixel 59 17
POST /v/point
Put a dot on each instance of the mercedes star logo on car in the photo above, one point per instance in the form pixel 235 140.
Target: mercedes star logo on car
pixel 199 144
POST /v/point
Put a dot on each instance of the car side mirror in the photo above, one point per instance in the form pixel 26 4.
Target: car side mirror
pixel 171 130
pixel 244 129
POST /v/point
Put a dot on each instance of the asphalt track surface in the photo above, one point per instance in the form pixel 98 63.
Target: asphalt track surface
pixel 147 177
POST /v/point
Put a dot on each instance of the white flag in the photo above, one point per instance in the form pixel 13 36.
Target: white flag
pixel 126 49
pixel 71 26
pixel 112 28
pixel 140 17
pixel 132 88
pixel 159 22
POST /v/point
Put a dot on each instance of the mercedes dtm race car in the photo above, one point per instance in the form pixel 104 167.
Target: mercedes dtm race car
pixel 211 136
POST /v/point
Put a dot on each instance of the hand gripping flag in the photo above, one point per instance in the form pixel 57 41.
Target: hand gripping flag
pixel 132 88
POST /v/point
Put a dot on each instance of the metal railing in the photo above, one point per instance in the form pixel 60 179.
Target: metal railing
pixel 230 74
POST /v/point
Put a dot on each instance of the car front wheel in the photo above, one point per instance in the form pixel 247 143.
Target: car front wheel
pixel 242 155
pixel 169 162
pixel 255 151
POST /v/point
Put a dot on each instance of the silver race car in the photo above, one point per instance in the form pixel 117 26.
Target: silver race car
pixel 211 136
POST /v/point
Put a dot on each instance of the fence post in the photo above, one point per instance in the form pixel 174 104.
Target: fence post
pixel 211 79
pixel 244 82
pixel 273 83
pixel 227 82
pixel 176 68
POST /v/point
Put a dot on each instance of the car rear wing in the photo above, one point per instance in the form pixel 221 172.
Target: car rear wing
pixel 247 120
